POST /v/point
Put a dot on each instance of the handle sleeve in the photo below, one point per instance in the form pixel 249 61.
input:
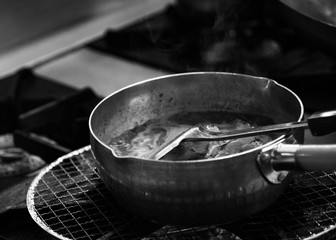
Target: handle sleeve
pixel 304 157
pixel 316 157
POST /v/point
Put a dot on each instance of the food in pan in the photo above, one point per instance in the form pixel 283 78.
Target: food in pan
pixel 142 139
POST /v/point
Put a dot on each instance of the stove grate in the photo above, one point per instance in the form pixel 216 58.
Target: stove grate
pixel 69 200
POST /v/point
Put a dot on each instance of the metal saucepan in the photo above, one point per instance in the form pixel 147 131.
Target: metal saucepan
pixel 205 191
pixel 315 20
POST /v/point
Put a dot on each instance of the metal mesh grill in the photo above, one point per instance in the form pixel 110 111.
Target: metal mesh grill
pixel 69 200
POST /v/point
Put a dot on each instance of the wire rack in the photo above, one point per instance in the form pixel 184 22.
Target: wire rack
pixel 69 200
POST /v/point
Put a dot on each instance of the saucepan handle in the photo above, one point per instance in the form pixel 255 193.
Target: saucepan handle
pixel 289 157
pixel 276 163
pixel 304 157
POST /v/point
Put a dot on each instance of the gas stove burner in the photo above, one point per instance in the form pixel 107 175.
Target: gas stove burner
pixel 16 161
pixel 69 200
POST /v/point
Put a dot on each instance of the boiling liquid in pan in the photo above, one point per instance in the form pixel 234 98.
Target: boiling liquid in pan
pixel 144 138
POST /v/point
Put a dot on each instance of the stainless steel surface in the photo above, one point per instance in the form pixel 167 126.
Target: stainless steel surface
pixel 69 200
pixel 179 192
pixel 86 67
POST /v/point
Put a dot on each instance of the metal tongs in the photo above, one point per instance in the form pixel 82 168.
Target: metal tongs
pixel 320 123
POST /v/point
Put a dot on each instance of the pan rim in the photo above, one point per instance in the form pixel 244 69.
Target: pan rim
pixel 268 145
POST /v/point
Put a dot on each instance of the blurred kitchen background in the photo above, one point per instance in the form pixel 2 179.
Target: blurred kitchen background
pixel 34 30
pixel 60 58
pixel 57 53
pixel 50 78
pixel 49 82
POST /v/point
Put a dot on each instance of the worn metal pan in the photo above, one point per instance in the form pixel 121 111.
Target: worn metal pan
pixel 204 191
pixel 315 21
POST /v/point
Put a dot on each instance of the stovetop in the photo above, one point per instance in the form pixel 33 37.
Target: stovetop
pixel 49 118
pixel 253 40
pixel 45 117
